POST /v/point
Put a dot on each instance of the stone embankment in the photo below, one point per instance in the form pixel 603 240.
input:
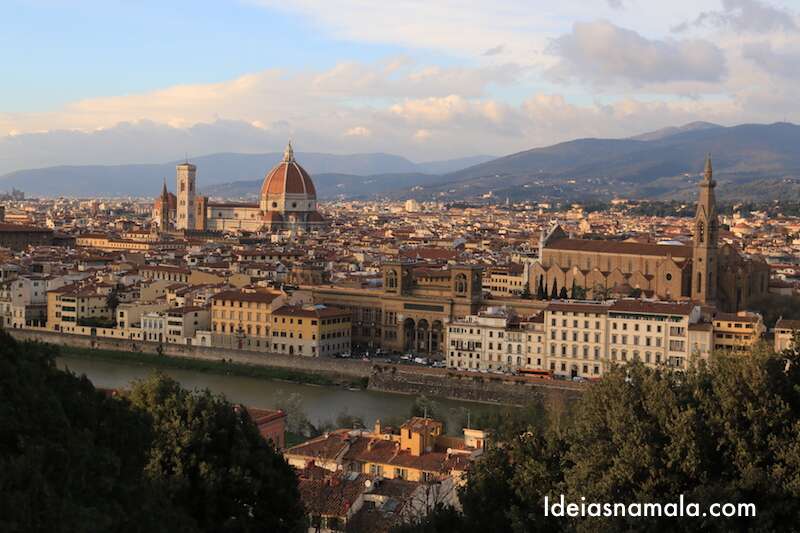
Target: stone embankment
pixel 445 383
pixel 404 379
pixel 337 368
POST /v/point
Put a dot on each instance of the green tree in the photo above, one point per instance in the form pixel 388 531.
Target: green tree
pixel 424 406
pixel 723 431
pixel 71 457
pixel 213 463
pixel 554 292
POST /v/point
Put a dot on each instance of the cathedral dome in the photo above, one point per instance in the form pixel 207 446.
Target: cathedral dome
pixel 288 177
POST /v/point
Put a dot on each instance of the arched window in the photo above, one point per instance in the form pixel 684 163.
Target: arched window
pixel 391 280
pixel 461 283
pixel 700 232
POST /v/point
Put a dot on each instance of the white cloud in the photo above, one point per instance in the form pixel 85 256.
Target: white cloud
pixel 744 16
pixel 600 52
pixel 516 76
pixel 358 131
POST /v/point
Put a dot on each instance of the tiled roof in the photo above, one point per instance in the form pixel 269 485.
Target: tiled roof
pixel 624 248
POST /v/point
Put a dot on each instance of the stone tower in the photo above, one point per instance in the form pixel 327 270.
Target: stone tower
pixel 186 196
pixel 163 221
pixel 706 234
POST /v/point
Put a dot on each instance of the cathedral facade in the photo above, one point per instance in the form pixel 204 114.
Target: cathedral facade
pixel 704 271
pixel 288 201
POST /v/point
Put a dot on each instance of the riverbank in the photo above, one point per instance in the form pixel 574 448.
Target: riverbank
pixel 221 367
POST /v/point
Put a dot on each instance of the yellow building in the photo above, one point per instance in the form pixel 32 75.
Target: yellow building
pixel 311 330
pixel 505 281
pixel 71 306
pixel 418 452
pixel 241 318
pixel 737 332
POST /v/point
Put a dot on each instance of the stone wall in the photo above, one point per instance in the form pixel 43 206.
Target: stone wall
pixel 471 386
pixel 405 379
pixel 333 367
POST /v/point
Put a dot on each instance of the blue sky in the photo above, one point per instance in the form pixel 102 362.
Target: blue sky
pixel 105 48
pixel 116 81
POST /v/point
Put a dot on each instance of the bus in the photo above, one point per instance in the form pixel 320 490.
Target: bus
pixel 539 374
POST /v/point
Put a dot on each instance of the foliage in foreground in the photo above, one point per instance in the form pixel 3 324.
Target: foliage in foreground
pixel 726 431
pixel 165 459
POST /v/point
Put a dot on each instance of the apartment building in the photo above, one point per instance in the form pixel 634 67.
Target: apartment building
pixel 505 281
pixel 576 337
pixel 580 338
pixel 71 306
pixel 311 330
pixel 176 325
pixel 496 339
pixel 737 332
pixel 240 318
pixel 655 333
pixel 784 333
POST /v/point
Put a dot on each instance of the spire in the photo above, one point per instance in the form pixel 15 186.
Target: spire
pixel 708 172
pixel 288 154
pixel 164 193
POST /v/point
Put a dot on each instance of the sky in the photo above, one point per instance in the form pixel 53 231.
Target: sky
pixel 118 81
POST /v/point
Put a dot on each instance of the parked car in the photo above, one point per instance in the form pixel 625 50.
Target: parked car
pixel 345 355
pixel 421 360
pixel 438 364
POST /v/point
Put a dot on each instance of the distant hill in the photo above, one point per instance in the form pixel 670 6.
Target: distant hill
pixel 665 167
pixel 668 132
pixel 333 185
pixel 213 170
pixel 751 161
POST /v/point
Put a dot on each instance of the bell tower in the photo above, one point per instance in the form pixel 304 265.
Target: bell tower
pixel 185 212
pixel 706 235
pixel 163 223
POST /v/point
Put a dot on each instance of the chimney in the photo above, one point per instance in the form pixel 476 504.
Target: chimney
pixel 378 428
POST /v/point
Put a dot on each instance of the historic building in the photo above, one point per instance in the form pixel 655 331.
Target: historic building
pixel 704 271
pixel 288 201
pixel 411 309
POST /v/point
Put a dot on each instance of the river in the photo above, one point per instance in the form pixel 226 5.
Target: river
pixel 319 403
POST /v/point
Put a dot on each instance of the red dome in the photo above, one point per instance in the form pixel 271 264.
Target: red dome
pixel 315 217
pixel 288 178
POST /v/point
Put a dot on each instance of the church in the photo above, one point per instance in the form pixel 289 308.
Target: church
pixel 704 271
pixel 288 201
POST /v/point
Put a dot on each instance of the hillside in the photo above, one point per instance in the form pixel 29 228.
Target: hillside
pixel 744 155
pixel 213 170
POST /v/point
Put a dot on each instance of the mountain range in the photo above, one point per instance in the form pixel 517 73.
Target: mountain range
pixel 217 170
pixel 751 161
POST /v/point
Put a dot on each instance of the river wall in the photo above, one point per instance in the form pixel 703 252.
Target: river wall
pixel 494 388
pixel 404 379
pixel 339 368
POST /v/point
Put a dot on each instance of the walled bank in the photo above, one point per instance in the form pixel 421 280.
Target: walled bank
pixel 492 388
pixel 403 379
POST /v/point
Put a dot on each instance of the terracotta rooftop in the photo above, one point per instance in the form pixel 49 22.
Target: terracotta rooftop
pixel 623 248
pixel 642 306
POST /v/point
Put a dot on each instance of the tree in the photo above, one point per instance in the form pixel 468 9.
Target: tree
pixel 71 457
pixel 112 302
pixel 563 293
pixel 424 406
pixel 346 420
pixel 726 430
pixel 541 291
pixel 554 293
pixel 214 464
